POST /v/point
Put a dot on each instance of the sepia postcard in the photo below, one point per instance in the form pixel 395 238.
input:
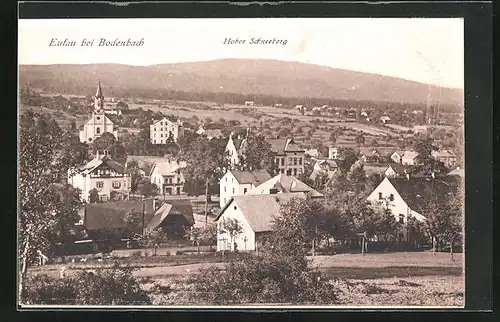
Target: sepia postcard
pixel 250 162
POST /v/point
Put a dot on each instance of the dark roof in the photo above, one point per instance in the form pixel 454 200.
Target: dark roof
pixel 420 192
pixel 256 176
pixel 398 168
pixel 284 145
pixel 98 93
pixel 172 207
pixel 100 216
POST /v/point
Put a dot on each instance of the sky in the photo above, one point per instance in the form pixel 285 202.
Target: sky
pixel 427 50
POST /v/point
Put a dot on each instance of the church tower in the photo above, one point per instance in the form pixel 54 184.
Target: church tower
pixel 99 99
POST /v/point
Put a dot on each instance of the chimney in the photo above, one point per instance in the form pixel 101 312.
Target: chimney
pixel 407 176
pixel 97 155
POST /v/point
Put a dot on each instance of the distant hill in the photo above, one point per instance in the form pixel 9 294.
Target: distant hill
pixel 245 76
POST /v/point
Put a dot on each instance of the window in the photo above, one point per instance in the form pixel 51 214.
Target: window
pixel 224 188
pixel 178 180
pixel 300 170
pixel 401 218
pixel 282 171
pixel 234 207
pixel 154 141
pixel 99 184
pixel 90 139
pixel 226 179
pixel 294 161
pixel 391 197
pixel 245 190
pixel 224 200
pixel 282 161
pixel 116 184
pixel 290 160
pixel 233 191
pixel 161 135
pixel 103 197
pixel 300 161
pixel 98 118
pixel 294 171
pixel 380 196
pixel 98 130
pixel 154 129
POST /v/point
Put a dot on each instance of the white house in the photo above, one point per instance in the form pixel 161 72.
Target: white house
pixel 161 130
pixel 238 182
pixel 249 103
pixel 385 119
pixel 405 157
pixel 314 153
pixel 284 184
pixel 409 158
pixel 254 214
pixel 411 197
pixel 445 156
pixel 333 153
pixel 99 123
pixel 104 174
pixel 288 156
pixel 395 170
pixel 210 133
pixel 167 176
pixel 235 147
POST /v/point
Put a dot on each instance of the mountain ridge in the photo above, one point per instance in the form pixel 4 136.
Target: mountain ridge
pixel 246 76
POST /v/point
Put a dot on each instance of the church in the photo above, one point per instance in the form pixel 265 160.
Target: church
pixel 99 123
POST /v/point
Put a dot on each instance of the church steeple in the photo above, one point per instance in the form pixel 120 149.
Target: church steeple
pixel 99 98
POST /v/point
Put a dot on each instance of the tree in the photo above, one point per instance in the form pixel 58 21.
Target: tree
pixel 347 158
pixel 147 189
pixel 257 154
pixel 154 238
pixel 93 196
pixel 232 228
pixel 207 162
pixel 360 139
pixel 108 142
pixel 133 222
pixel 357 176
pixel 40 167
pixel 204 235
pixel 298 223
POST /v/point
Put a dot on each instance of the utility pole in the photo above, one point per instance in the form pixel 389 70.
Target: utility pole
pixel 206 201
pixel 143 211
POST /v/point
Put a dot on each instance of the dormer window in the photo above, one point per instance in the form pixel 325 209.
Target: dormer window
pixel 391 197
pixel 380 196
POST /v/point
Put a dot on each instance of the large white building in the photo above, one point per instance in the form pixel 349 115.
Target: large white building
pixel 167 176
pixel 99 123
pixel 161 130
pixel 237 182
pixel 235 148
pixel 107 176
pixel 254 214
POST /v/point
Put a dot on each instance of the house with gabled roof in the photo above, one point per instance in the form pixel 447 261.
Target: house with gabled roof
pixel 395 170
pixel 282 183
pixel 162 130
pixel 235 147
pixel 239 182
pixel 109 219
pixel 168 177
pixel 409 197
pixel 406 157
pixel 254 213
pixel 288 156
pixel 104 174
pixel 445 156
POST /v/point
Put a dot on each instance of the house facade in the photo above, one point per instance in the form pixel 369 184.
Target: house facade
pixel 238 182
pixel 448 158
pixel 395 170
pixel 254 214
pixel 99 123
pixel 333 153
pixel 288 156
pixel 409 197
pixel 235 148
pixel 161 130
pixel 167 176
pixel 405 157
pixel 108 177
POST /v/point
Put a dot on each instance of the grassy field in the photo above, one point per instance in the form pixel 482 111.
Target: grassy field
pixel 373 279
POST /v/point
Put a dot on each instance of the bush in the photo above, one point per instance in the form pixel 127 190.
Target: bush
pixel 263 279
pixel 111 286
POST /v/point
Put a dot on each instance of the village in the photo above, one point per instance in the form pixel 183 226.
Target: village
pixel 172 185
